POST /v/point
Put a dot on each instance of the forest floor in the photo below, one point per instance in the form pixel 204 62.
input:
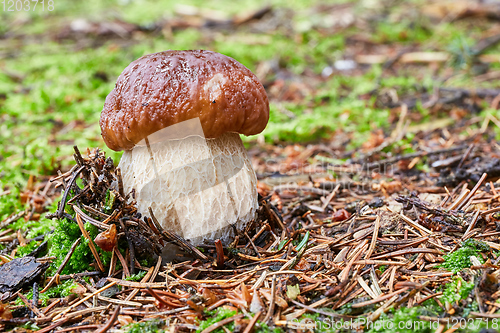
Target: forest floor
pixel 378 172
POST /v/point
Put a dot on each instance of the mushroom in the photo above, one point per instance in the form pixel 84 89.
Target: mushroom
pixel 178 115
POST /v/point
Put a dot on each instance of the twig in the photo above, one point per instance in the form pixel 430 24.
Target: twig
pixel 159 298
pixel 75 275
pixel 429 297
pixel 374 238
pixel 408 251
pixel 133 284
pixel 91 243
pixel 219 253
pixel 120 182
pixel 31 306
pixel 253 245
pixel 221 323
pixel 481 93
pixel 78 327
pixel 415 224
pixel 65 261
pixel 489 211
pixel 149 274
pixel 252 322
pixel 34 300
pixel 270 311
pixel 119 301
pixel 472 192
pixel 122 260
pixel 486 43
pixel 293 187
pixel 110 322
pixel 97 292
pixel 466 155
pixel 174 311
pixel 90 220
pixel 130 247
pixel 460 198
pixel 379 299
pixel 12 219
pixel 472 224
pixel 411 156
pixel 330 197
pixel 485 315
pixel 52 326
pixel 62 203
pixel 321 312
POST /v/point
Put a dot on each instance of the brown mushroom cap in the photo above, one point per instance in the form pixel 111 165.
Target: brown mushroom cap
pixel 166 88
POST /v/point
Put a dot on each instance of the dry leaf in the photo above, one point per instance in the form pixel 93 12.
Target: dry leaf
pixel 106 240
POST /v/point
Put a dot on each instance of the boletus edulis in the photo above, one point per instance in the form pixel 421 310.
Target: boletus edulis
pixel 178 116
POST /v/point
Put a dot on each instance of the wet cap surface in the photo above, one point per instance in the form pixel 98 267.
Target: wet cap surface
pixel 166 88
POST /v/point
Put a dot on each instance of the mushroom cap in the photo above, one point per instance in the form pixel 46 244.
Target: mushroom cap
pixel 166 88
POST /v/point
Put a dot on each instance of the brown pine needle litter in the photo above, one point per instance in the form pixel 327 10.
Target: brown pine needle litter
pixel 327 249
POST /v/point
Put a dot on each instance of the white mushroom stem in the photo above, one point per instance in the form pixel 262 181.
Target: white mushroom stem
pixel 201 189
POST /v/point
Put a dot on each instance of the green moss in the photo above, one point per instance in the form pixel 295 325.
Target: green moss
pixel 9 203
pixel 109 201
pixel 403 146
pixel 60 241
pixel 488 112
pixel 30 326
pixel 44 227
pixel 214 317
pixel 402 30
pixel 460 259
pixel 261 327
pixel 431 308
pixel 462 51
pixel 36 228
pixel 457 290
pixel 136 277
pixel 24 250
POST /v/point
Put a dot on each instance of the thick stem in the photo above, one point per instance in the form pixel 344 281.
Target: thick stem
pixel 202 189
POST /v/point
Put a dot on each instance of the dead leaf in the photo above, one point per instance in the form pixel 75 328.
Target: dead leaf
pixel 106 240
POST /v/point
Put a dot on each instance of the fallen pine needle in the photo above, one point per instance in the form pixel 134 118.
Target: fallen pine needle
pixel 110 322
pixel 221 323
pixel 84 299
pixel 252 322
